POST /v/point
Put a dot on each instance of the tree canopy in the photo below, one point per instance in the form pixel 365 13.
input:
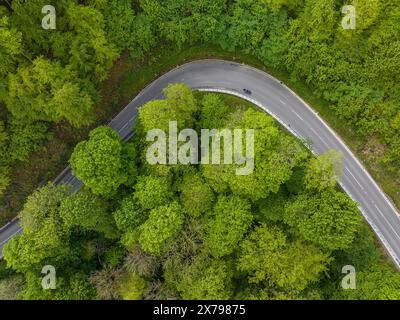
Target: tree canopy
pixel 99 163
pixel 142 231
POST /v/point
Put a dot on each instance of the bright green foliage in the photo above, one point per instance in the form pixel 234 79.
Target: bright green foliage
pixel 53 75
pixel 97 162
pixel 164 223
pixel 85 210
pixel 261 293
pixel 79 39
pixel 227 225
pixel 267 256
pixel 196 196
pixel 10 46
pixel 273 165
pixel 259 253
pixel 323 171
pixel 41 205
pixel 47 91
pixel 114 256
pixel 153 191
pixel 375 283
pixel 154 111
pixel 213 112
pixel 304 266
pixel 362 253
pixel 130 214
pixel 10 50
pixel 258 184
pixel 272 52
pixel 130 238
pixel 181 96
pixel 44 234
pixel 328 219
pixel 243 25
pixel 274 158
pixel 367 13
pixel 318 19
pixel 206 279
pixel 180 106
pixel 87 50
pixel 80 288
pixel 33 289
pixel 142 37
pixel 74 287
pixel 217 176
pixel 132 286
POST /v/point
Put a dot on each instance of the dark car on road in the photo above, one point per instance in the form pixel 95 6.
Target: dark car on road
pixel 247 91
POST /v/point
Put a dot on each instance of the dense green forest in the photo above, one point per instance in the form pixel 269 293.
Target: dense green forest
pixel 50 79
pixel 196 231
pixel 50 97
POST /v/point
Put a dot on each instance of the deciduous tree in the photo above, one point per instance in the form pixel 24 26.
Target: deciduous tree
pixel 267 256
pixel 206 279
pixel 328 219
pixel 323 171
pixel 164 223
pixel 152 192
pixel 130 214
pixel 131 286
pixel 83 209
pixel 227 224
pixel 44 235
pixel 47 91
pixel 98 163
pixel 196 196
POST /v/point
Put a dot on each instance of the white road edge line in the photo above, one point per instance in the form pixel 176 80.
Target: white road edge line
pixel 332 132
pixel 383 240
pixel 390 225
pixel 387 246
pixel 19 231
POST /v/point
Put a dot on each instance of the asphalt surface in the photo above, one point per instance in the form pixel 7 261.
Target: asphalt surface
pixel 276 99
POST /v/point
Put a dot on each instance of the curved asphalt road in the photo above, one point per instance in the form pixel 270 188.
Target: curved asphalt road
pixel 276 99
